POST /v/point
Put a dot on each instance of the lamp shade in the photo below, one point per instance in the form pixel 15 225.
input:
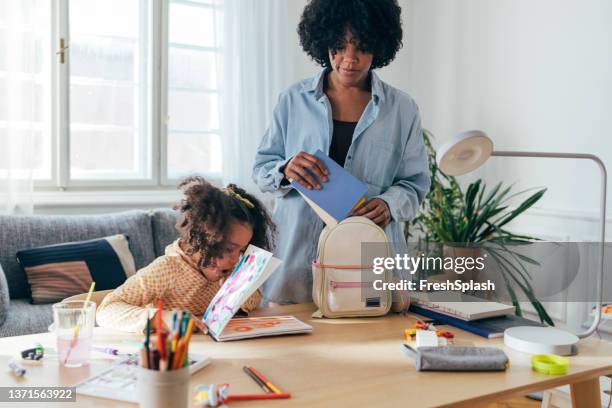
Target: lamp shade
pixel 465 152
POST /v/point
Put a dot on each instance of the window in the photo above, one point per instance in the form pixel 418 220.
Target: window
pixel 135 99
pixel 193 99
pixel 25 77
pixel 110 93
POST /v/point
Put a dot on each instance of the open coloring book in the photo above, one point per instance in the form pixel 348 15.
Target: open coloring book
pixel 260 326
pixel 255 266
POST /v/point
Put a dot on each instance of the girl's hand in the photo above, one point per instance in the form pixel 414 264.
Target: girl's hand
pixel 199 325
pixel 301 169
pixel 375 209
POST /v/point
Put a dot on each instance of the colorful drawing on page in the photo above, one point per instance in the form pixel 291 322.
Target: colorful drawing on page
pixel 243 281
pixel 252 323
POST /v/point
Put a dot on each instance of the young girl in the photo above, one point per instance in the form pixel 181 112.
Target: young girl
pixel 216 226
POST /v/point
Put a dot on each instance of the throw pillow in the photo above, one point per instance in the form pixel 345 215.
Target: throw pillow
pixel 55 272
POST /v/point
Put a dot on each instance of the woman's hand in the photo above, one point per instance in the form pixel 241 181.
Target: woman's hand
pixel 375 209
pixel 301 169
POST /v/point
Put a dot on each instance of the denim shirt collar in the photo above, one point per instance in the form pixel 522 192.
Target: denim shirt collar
pixel 315 86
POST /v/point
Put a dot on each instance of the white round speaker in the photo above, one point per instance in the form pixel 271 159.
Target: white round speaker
pixel 540 340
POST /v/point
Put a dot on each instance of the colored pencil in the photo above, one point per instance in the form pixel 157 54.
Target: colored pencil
pixel 178 357
pixel 179 319
pixel 159 323
pixel 265 381
pixel 256 379
pixel 247 397
pixel 159 326
pixel 187 340
pixel 184 322
pixel 146 343
pixel 155 358
pixel 144 360
pixel 189 330
pixel 173 346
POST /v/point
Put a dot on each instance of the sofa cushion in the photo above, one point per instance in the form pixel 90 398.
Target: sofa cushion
pixel 57 271
pixel 26 318
pixel 164 229
pixel 4 297
pixel 22 232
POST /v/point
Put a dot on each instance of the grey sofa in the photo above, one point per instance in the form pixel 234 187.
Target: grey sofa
pixel 149 233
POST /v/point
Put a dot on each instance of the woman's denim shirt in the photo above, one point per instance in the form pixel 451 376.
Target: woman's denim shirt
pixel 387 153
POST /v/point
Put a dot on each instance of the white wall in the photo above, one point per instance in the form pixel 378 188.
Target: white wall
pixel 305 66
pixel 535 75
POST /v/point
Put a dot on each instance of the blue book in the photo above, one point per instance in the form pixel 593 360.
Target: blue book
pixel 490 327
pixel 336 198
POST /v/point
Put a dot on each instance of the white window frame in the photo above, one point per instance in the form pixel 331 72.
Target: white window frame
pixel 60 144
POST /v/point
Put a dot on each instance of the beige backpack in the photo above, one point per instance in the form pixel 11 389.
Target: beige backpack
pixel 342 285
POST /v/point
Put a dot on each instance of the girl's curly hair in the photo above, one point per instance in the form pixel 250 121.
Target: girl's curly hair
pixel 207 212
pixel 375 24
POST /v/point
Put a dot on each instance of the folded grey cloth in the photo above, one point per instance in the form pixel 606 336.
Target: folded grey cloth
pixel 457 358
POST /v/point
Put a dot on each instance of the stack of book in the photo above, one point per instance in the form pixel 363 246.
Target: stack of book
pixel 483 318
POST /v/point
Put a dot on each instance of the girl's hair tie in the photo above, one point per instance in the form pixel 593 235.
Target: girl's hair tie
pixel 237 196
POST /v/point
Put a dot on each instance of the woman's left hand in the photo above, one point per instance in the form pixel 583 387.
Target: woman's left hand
pixel 375 209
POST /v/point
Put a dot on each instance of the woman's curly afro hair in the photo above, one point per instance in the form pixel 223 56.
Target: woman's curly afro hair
pixel 207 212
pixel 375 24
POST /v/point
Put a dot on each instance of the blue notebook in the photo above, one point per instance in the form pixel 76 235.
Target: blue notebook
pixel 490 327
pixel 336 198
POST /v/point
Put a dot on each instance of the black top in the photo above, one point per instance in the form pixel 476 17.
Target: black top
pixel 341 140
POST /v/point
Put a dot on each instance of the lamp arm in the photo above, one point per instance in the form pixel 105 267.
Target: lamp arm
pixel 602 214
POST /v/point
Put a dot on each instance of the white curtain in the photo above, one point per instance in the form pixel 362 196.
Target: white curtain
pixel 21 57
pixel 257 64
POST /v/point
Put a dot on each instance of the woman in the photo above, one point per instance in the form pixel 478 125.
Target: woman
pixel 364 124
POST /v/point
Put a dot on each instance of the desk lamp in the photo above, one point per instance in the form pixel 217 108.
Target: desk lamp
pixel 469 150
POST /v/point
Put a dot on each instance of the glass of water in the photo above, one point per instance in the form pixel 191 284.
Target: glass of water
pixel 74 321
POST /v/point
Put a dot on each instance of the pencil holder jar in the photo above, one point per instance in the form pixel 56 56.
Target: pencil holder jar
pixel 162 389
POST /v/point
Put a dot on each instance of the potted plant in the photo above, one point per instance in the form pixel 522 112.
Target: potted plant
pixel 469 223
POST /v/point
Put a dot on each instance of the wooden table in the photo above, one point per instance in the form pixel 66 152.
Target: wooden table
pixel 344 362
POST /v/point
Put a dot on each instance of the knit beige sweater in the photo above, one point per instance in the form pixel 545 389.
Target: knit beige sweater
pixel 175 279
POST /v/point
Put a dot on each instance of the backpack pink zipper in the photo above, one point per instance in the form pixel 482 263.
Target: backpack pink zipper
pixel 348 285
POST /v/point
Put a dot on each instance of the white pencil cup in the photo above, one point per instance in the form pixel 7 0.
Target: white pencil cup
pixel 162 389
